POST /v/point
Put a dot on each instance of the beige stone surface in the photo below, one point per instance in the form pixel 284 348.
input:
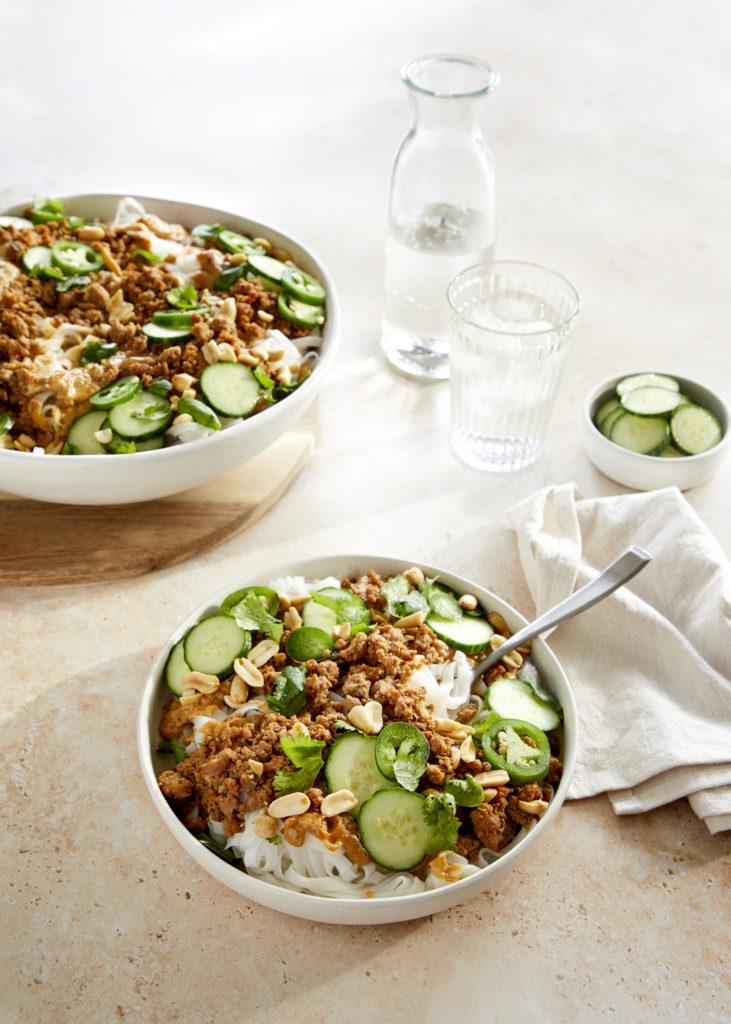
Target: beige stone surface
pixel 610 132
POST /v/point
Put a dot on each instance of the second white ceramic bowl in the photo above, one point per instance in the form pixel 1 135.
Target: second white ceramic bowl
pixel 144 476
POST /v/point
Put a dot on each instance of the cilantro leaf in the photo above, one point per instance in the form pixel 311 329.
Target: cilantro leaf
pixel 288 696
pixel 439 812
pixel 251 613
pixel 214 847
pixel 529 674
pixel 306 755
pixel 466 792
pixel 172 747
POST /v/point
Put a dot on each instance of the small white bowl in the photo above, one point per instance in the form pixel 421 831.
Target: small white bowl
pixel 377 910
pixel 651 472
pixel 145 476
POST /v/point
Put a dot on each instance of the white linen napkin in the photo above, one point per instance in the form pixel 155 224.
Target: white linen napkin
pixel 650 665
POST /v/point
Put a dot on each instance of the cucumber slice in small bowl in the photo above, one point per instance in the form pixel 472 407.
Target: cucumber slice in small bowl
pixel 647 435
pixel 650 400
pixel 694 430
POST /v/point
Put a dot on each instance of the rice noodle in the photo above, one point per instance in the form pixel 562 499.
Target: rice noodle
pixel 315 869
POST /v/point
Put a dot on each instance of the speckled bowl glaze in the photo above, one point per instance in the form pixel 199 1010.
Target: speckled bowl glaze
pixel 380 910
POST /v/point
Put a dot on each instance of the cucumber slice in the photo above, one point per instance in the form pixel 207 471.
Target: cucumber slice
pixel 650 401
pixel 694 430
pixel 319 616
pixel 144 415
pixel 604 409
pixel 231 389
pixel 393 829
pixel 642 380
pixel 512 698
pixel 121 446
pixel 610 419
pixel 161 335
pixel 176 667
pixel 80 438
pixel 647 435
pixel 36 259
pixel 8 221
pixel 214 644
pixel 671 453
pixel 307 642
pixel 266 267
pixel 351 764
pixel 469 634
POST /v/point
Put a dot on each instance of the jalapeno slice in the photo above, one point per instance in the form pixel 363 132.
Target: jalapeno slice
pixel 232 241
pixel 303 286
pixel 504 745
pixel 118 391
pixel 73 257
pixel 402 752
pixel 303 314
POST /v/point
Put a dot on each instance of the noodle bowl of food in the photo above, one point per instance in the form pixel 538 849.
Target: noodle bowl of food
pixel 148 346
pixel 314 739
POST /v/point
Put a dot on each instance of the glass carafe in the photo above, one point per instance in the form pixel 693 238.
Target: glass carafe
pixel 441 216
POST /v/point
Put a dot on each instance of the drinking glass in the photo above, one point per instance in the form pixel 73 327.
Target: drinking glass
pixel 510 325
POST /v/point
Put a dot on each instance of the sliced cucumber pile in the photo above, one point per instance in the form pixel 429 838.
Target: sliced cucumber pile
pixel 650 415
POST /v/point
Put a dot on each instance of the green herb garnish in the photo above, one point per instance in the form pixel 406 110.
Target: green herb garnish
pixel 288 696
pixel 172 747
pixel 466 792
pixel 306 755
pixel 145 254
pixel 440 813
pixel 96 351
pixel 214 847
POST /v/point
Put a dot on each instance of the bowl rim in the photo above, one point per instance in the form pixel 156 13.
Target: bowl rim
pixel 605 389
pixel 301 396
pixel 358 910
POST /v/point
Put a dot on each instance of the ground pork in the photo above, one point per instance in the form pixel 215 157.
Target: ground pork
pixel 31 308
pixel 234 770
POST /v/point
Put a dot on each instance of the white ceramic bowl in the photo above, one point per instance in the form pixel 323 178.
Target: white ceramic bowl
pixel 650 472
pixel 144 476
pixel 379 910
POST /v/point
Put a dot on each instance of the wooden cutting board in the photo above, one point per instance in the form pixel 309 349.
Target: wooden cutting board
pixel 48 544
